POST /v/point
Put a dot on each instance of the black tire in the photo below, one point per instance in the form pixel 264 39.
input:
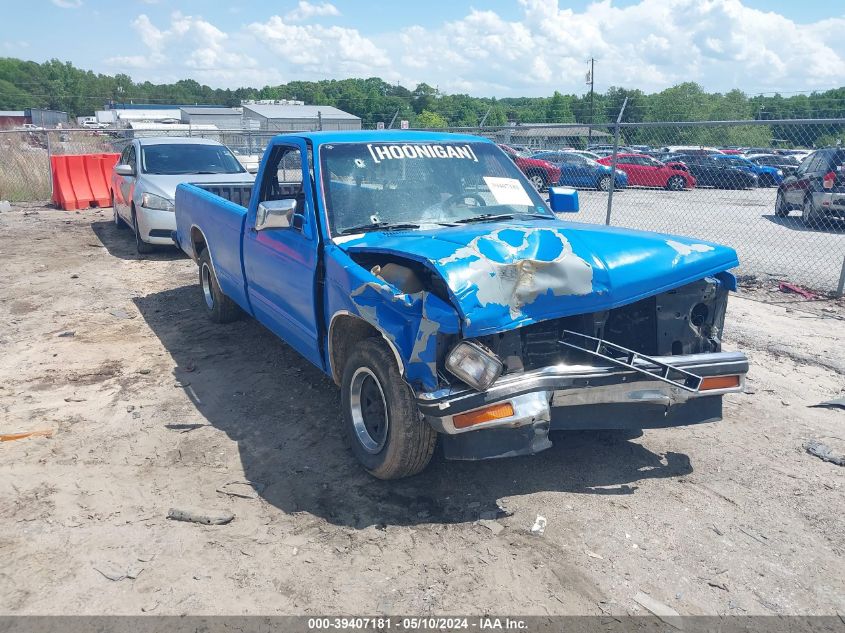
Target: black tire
pixel 220 308
pixel 388 437
pixel 676 183
pixel 140 245
pixel 118 221
pixel 781 208
pixel 538 180
pixel 808 214
pixel 603 183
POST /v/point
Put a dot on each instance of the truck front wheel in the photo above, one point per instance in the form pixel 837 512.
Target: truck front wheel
pixel 380 417
pixel 221 309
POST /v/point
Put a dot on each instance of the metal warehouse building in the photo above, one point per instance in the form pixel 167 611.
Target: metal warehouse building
pixel 223 118
pixel 298 118
pixel 46 118
pixel 12 118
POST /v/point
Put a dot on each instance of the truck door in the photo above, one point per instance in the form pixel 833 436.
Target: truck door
pixel 280 249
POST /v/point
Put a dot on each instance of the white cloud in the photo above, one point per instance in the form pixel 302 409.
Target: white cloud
pixel 189 47
pixel 306 10
pixel 68 4
pixel 320 51
pixel 651 45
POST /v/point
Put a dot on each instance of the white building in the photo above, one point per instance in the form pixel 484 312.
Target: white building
pixel 299 118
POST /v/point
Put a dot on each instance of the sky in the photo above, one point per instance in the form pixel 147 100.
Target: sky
pixel 499 48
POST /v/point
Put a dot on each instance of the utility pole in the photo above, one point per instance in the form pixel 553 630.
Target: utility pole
pixel 484 120
pixel 591 79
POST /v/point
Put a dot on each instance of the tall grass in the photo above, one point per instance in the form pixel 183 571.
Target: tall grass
pixel 24 167
pixel 24 171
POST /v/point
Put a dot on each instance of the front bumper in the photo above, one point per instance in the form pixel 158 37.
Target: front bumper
pixel 156 225
pixel 590 397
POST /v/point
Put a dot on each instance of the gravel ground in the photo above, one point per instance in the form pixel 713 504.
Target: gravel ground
pixel 151 407
pixel 768 246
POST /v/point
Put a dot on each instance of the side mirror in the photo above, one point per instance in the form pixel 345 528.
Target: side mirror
pixel 563 199
pixel 278 214
pixel 124 170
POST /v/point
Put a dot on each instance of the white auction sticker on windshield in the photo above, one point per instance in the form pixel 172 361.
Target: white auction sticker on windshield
pixel 508 191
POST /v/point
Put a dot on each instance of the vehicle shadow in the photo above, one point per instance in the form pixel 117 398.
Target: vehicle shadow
pixel 284 415
pixel 795 223
pixel 120 242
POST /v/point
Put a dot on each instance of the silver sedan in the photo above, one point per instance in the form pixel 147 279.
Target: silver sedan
pixel 144 180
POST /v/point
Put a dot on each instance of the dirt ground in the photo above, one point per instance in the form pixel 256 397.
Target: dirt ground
pixel 151 407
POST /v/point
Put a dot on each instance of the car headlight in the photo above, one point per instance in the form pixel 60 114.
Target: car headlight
pixel 474 364
pixel 780 172
pixel 158 203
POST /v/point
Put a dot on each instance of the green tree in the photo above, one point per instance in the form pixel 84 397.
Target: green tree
pixel 429 119
pixel 559 109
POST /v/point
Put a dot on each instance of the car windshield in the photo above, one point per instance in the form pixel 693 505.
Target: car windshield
pixel 184 158
pixel 422 184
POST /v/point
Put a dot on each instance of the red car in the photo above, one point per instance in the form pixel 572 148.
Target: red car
pixel 541 173
pixel 645 171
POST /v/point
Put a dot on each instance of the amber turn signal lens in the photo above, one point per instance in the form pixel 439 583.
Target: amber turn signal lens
pixel 493 412
pixel 711 383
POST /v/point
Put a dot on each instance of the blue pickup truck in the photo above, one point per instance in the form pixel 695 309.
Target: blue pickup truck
pixel 425 274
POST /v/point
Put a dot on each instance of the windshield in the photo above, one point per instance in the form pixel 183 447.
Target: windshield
pixel 184 158
pixel 422 183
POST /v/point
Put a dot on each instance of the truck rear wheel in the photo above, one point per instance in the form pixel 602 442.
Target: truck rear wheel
pixel 380 417
pixel 221 309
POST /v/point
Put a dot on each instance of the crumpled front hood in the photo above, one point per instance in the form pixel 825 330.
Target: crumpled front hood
pixel 508 274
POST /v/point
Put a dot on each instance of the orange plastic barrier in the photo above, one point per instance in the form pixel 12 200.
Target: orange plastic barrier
pixel 83 180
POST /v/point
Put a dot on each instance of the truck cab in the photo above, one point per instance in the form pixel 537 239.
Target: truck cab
pixel 450 302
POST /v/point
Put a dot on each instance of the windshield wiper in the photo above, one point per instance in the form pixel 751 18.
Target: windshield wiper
pixel 486 217
pixel 490 217
pixel 379 226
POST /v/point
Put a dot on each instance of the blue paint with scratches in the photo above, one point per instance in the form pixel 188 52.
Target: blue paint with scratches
pixel 624 266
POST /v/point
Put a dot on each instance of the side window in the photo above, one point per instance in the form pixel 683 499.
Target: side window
pixel 124 155
pixel 802 168
pixel 811 165
pixel 830 161
pixel 131 159
pixel 283 176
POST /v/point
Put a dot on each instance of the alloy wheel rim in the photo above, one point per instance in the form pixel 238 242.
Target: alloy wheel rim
pixel 206 286
pixel 369 410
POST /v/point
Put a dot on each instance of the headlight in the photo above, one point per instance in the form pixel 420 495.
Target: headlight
pixel 152 201
pixel 475 365
pixel 780 172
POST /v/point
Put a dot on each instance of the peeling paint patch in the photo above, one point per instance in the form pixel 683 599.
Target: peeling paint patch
pixel 686 249
pixel 513 266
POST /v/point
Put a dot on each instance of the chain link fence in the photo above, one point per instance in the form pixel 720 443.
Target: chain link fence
pixel 773 190
pixel 748 184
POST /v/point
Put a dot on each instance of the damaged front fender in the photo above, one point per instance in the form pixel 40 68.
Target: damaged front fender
pixel 411 322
